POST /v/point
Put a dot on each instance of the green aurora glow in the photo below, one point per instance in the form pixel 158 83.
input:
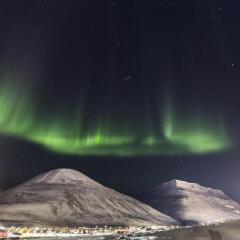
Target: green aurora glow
pixel 20 117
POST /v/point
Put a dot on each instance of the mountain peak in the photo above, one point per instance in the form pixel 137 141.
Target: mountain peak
pixel 190 186
pixel 66 197
pixel 180 183
pixel 61 176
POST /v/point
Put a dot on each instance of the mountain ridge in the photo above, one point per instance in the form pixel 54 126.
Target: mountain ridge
pixel 191 203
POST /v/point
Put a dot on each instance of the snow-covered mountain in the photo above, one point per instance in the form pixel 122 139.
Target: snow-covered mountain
pixel 66 197
pixel 191 203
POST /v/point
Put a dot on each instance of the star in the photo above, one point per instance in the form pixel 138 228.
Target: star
pixel 127 77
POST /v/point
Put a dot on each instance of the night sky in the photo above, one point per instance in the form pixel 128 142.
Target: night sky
pixel 131 93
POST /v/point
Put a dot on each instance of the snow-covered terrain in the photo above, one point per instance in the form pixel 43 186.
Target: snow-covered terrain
pixel 191 203
pixel 66 197
pixel 223 231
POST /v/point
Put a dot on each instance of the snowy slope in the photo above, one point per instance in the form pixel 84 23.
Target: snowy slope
pixel 191 203
pixel 68 197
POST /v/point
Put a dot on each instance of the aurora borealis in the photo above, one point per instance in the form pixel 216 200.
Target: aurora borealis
pixel 20 116
pixel 114 96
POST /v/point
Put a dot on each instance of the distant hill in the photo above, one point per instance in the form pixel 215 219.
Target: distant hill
pixel 66 197
pixel 191 203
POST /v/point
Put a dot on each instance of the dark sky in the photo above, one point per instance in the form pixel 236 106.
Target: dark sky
pixel 118 63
